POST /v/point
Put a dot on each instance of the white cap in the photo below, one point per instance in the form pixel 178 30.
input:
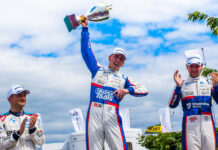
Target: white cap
pixel 194 56
pixel 119 51
pixel 16 89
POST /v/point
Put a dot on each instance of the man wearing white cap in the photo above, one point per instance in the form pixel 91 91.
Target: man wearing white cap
pixel 195 93
pixel 19 130
pixel 108 87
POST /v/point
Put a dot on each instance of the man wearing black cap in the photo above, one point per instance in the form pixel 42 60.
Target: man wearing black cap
pixel 19 130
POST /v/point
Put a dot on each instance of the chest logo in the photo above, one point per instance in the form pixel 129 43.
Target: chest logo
pixel 12 120
pixel 188 105
pixel 104 94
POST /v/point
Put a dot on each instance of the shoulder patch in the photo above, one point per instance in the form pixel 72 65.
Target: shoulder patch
pixel 29 114
pixel 36 114
pixel 2 118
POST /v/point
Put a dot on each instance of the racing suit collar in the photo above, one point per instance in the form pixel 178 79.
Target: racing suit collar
pixel 110 70
pixel 17 113
pixel 194 79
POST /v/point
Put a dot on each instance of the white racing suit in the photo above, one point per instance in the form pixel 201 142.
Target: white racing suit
pixel 9 136
pixel 103 118
pixel 198 129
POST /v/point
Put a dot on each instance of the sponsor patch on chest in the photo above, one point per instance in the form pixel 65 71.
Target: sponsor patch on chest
pixel 104 94
pixel 10 132
pixel 116 82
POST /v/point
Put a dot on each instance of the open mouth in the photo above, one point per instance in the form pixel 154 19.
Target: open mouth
pixel 116 64
pixel 21 101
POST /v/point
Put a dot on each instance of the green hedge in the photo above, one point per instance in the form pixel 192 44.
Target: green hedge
pixel 163 141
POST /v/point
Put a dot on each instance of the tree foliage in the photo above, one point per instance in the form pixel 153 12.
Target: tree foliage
pixel 212 22
pixel 162 141
pixel 206 71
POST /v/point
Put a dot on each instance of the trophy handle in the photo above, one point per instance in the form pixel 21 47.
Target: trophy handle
pixel 72 22
pixel 82 19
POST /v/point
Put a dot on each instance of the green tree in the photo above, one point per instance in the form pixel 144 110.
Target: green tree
pixel 163 141
pixel 206 71
pixel 212 22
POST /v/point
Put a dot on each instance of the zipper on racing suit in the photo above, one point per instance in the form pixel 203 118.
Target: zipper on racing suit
pixel 200 116
pixel 103 107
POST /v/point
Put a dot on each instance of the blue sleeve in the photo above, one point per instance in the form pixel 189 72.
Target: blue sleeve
pixel 87 53
pixel 135 89
pixel 214 93
pixel 175 98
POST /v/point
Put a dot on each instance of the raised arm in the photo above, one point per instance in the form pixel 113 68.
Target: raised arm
pixel 175 98
pixel 86 50
pixel 214 93
pixel 214 90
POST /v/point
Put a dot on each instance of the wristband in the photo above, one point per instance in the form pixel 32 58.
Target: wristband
pixel 16 135
pixel 32 130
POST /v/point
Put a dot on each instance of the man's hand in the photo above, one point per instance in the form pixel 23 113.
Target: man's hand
pixel 84 21
pixel 22 126
pixel 178 79
pixel 214 76
pixel 120 93
pixel 33 121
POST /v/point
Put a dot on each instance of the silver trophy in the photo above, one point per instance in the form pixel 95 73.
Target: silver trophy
pixel 97 12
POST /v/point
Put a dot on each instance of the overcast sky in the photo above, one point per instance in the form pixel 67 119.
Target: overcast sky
pixel 37 52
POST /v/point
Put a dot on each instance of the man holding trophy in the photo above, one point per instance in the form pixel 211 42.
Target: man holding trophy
pixel 108 87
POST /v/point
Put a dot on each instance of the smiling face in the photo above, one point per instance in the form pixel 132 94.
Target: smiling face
pixel 116 61
pixel 194 70
pixel 17 101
